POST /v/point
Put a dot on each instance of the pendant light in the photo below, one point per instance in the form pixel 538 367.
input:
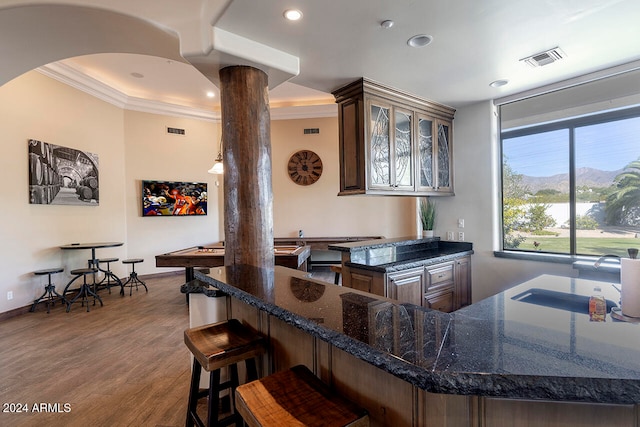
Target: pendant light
pixel 217 167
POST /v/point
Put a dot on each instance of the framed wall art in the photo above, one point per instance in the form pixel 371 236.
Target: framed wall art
pixel 62 176
pixel 173 198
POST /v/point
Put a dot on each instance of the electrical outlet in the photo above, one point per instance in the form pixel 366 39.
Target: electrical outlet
pixel 460 223
pixel 449 235
pixel 461 235
pixel 9 295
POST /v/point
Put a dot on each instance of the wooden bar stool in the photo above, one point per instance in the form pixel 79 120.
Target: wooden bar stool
pixel 50 294
pixel 296 397
pixel 216 346
pixel 133 277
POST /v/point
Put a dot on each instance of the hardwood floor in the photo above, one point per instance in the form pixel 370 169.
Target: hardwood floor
pixel 124 364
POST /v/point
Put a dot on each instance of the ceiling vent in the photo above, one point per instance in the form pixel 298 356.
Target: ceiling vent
pixel 545 58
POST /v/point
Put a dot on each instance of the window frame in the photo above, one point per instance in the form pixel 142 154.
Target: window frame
pixel 570 124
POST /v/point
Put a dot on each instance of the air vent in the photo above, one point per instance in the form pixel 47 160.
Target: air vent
pixel 545 58
pixel 175 131
pixel 311 131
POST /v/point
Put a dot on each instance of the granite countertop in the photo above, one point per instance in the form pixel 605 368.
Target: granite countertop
pixel 534 341
pixel 388 255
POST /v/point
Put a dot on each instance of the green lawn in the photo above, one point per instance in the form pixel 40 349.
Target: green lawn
pixel 586 245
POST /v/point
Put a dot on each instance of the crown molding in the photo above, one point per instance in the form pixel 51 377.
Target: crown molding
pixel 81 81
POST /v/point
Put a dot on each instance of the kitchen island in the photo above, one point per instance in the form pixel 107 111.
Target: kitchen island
pixel 526 355
pixel 427 272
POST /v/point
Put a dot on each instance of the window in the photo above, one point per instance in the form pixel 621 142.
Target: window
pixel 572 186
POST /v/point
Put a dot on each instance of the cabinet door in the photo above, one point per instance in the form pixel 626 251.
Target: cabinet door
pixel 402 156
pixel 379 144
pixel 444 157
pixel 441 301
pixel 351 146
pixel 362 282
pixel 426 178
pixel 462 275
pixel 406 286
pixel 439 276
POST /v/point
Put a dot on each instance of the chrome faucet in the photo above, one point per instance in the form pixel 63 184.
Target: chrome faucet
pixel 602 258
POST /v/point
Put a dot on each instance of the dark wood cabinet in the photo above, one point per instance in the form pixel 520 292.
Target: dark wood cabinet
pixel 443 286
pixel 406 286
pixel 441 301
pixel 392 142
pixel 462 283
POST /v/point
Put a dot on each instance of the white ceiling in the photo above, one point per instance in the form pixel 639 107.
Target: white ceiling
pixel 337 41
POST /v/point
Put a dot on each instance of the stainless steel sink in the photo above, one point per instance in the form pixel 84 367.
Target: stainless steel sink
pixel 559 300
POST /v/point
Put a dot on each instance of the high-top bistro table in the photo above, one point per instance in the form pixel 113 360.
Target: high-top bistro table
pixel 93 263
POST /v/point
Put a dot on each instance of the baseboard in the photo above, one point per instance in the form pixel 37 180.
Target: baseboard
pixel 15 312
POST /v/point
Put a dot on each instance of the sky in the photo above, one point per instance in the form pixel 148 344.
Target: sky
pixel 607 146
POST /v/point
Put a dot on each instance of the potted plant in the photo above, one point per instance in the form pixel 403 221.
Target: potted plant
pixel 427 216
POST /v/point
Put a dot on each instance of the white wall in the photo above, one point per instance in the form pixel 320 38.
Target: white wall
pixel 477 183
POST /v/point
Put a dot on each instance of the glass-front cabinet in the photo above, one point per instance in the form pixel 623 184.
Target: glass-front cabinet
pixel 434 155
pixel 392 142
pixel 390 147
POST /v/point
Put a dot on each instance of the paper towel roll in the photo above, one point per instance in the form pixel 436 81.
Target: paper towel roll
pixel 630 284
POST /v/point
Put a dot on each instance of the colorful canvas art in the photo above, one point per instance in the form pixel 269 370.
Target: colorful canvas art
pixel 168 198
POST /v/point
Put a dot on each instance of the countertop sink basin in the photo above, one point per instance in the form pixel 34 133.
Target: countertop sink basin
pixel 559 300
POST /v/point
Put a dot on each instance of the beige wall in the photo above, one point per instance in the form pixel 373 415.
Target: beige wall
pixel 151 153
pixel 35 107
pixel 133 146
pixel 316 208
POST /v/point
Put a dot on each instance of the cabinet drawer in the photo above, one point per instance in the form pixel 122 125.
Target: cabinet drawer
pixel 440 276
pixel 441 301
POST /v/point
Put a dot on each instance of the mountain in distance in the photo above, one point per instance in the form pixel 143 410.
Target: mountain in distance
pixel 585 177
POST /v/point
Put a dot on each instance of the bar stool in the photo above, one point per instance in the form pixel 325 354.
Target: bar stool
pixel 49 290
pixel 216 346
pixel 110 278
pixel 133 277
pixel 85 290
pixel 295 397
pixel 337 269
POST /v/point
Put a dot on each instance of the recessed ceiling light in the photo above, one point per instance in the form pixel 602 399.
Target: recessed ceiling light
pixel 292 14
pixel 499 83
pixel 387 23
pixel 420 40
pixel 210 94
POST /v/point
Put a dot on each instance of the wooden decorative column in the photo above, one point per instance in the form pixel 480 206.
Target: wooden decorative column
pixel 248 196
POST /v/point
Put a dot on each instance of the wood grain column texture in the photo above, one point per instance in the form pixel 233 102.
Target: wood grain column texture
pixel 246 136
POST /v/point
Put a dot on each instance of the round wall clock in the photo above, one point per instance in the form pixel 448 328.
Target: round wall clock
pixel 305 167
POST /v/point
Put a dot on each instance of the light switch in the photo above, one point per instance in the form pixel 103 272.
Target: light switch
pixel 460 223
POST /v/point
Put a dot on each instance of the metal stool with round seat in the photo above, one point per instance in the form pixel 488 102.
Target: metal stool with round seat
pixel 214 347
pixel 50 294
pixel 133 277
pixel 109 279
pixel 296 397
pixel 86 289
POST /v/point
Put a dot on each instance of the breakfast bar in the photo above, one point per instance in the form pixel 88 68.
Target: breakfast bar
pixel 531 349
